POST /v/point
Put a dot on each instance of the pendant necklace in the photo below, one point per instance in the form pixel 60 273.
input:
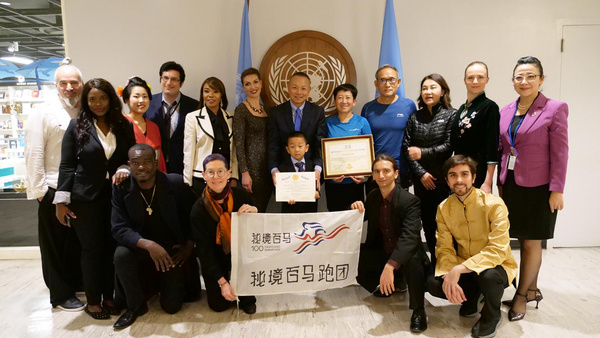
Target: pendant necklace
pixel 148 208
pixel 258 111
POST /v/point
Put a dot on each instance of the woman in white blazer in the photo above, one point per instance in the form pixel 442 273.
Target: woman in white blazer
pixel 207 131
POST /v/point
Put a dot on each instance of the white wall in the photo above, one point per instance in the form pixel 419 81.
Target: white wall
pixel 118 39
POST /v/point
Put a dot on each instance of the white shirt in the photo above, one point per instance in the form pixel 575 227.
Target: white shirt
pixel 108 142
pixel 175 116
pixel 44 132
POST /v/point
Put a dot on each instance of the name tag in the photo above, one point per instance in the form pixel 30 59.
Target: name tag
pixel 511 162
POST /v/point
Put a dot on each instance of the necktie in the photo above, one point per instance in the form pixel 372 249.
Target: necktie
pixel 300 166
pixel 297 120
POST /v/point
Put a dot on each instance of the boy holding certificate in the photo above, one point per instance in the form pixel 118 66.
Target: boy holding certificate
pixel 297 147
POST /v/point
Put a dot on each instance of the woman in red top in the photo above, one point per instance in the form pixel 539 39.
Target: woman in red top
pixel 137 96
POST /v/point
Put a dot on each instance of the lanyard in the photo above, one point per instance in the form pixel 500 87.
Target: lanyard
pixel 513 136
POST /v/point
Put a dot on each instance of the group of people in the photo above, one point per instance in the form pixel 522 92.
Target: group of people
pixel 146 193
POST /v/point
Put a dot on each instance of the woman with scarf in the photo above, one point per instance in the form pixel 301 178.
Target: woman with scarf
pixel 211 228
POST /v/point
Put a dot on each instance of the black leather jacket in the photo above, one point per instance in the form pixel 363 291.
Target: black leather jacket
pixel 432 135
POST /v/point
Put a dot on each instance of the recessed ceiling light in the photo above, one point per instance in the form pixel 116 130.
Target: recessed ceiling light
pixel 4 3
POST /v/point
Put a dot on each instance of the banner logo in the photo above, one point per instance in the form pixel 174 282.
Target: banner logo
pixel 318 235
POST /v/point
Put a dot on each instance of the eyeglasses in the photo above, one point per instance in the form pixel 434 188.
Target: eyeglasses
pixel 528 78
pixel 212 173
pixel 389 81
pixel 166 79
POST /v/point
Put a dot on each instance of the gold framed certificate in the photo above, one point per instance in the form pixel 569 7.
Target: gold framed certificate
pixel 349 156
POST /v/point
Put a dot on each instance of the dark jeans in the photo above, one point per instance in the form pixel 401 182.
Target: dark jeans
pixel 370 266
pixel 92 226
pixel 216 301
pixel 341 196
pixel 430 199
pixel 60 251
pixel 490 282
pixel 138 279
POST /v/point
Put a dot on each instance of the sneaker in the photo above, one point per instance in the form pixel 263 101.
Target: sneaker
pixel 486 330
pixel 468 309
pixel 72 304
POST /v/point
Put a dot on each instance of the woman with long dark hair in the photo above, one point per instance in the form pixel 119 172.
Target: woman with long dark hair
pixel 426 147
pixel 94 146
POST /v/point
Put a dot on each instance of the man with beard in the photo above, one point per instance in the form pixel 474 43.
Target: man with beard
pixel 473 248
pixel 151 224
pixel 59 246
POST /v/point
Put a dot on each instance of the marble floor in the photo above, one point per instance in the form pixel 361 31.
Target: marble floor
pixel 570 281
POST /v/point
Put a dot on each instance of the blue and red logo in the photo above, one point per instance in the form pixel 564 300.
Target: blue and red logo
pixel 313 234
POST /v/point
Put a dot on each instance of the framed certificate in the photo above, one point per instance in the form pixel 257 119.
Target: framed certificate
pixel 297 186
pixel 349 156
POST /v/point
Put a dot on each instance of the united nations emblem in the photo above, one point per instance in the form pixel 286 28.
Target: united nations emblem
pixel 324 59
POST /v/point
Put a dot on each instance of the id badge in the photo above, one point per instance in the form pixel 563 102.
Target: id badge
pixel 511 162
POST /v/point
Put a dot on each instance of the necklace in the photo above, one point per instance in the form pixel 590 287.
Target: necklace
pixel 148 208
pixel 258 111
pixel 524 107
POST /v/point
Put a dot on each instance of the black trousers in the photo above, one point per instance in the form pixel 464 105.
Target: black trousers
pixel 60 251
pixel 299 207
pixel 137 280
pixel 491 283
pixel 92 226
pixel 370 266
pixel 216 301
pixel 430 199
pixel 341 196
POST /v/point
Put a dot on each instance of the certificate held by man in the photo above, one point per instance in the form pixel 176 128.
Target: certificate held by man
pixel 295 186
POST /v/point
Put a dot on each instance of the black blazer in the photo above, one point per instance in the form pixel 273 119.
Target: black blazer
pixel 281 125
pixel 406 219
pixel 172 147
pixel 84 176
pixel 215 263
pixel 175 200
pixel 286 166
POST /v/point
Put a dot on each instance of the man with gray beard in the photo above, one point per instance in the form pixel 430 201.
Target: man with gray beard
pixel 59 247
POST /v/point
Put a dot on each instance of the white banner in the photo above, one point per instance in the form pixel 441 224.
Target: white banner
pixel 282 253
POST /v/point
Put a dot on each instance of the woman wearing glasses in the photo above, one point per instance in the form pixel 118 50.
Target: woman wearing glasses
pixel 475 127
pixel 251 140
pixel 207 131
pixel 211 228
pixel 534 151
pixel 426 146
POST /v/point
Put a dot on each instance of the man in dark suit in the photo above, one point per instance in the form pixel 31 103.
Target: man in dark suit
pixel 150 222
pixel 296 114
pixel 393 241
pixel 168 110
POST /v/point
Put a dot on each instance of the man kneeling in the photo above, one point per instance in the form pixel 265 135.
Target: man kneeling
pixel 150 222
pixel 393 241
pixel 481 262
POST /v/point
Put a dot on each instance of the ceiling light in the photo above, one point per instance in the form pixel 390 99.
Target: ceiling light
pixel 17 59
pixel 4 3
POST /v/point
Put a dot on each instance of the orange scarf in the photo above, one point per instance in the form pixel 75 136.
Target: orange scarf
pixel 222 216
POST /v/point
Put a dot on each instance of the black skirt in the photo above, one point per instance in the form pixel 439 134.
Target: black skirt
pixel 528 210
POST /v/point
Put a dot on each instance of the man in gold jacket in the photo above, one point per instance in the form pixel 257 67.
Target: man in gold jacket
pixel 481 262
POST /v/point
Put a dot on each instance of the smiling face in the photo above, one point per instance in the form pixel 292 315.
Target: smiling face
pixel 252 86
pixel 298 89
pixel 387 82
pixel 431 93
pixel 69 85
pixel 527 80
pixel 211 97
pixel 460 180
pixel 344 101
pixel 216 183
pixel 138 100
pixel 170 81
pixel 384 174
pixel 476 78
pixel 143 166
pixel 98 101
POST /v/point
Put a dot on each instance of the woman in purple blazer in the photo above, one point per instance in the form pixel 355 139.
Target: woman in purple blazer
pixel 534 151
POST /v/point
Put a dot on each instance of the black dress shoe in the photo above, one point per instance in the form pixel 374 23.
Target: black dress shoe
pixel 486 329
pixel 418 321
pixel 130 316
pixel 379 294
pixel 249 308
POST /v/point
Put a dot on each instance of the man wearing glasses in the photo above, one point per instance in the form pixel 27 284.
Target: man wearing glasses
pixel 168 110
pixel 387 116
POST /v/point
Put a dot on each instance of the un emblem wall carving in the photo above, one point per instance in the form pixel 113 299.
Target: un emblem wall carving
pixel 324 59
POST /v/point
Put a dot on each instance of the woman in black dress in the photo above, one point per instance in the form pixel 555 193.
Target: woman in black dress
pixel 211 228
pixel 251 136
pixel 426 146
pixel 94 146
pixel 475 129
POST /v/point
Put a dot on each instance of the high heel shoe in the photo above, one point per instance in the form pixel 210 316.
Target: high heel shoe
pixel 538 297
pixel 514 316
